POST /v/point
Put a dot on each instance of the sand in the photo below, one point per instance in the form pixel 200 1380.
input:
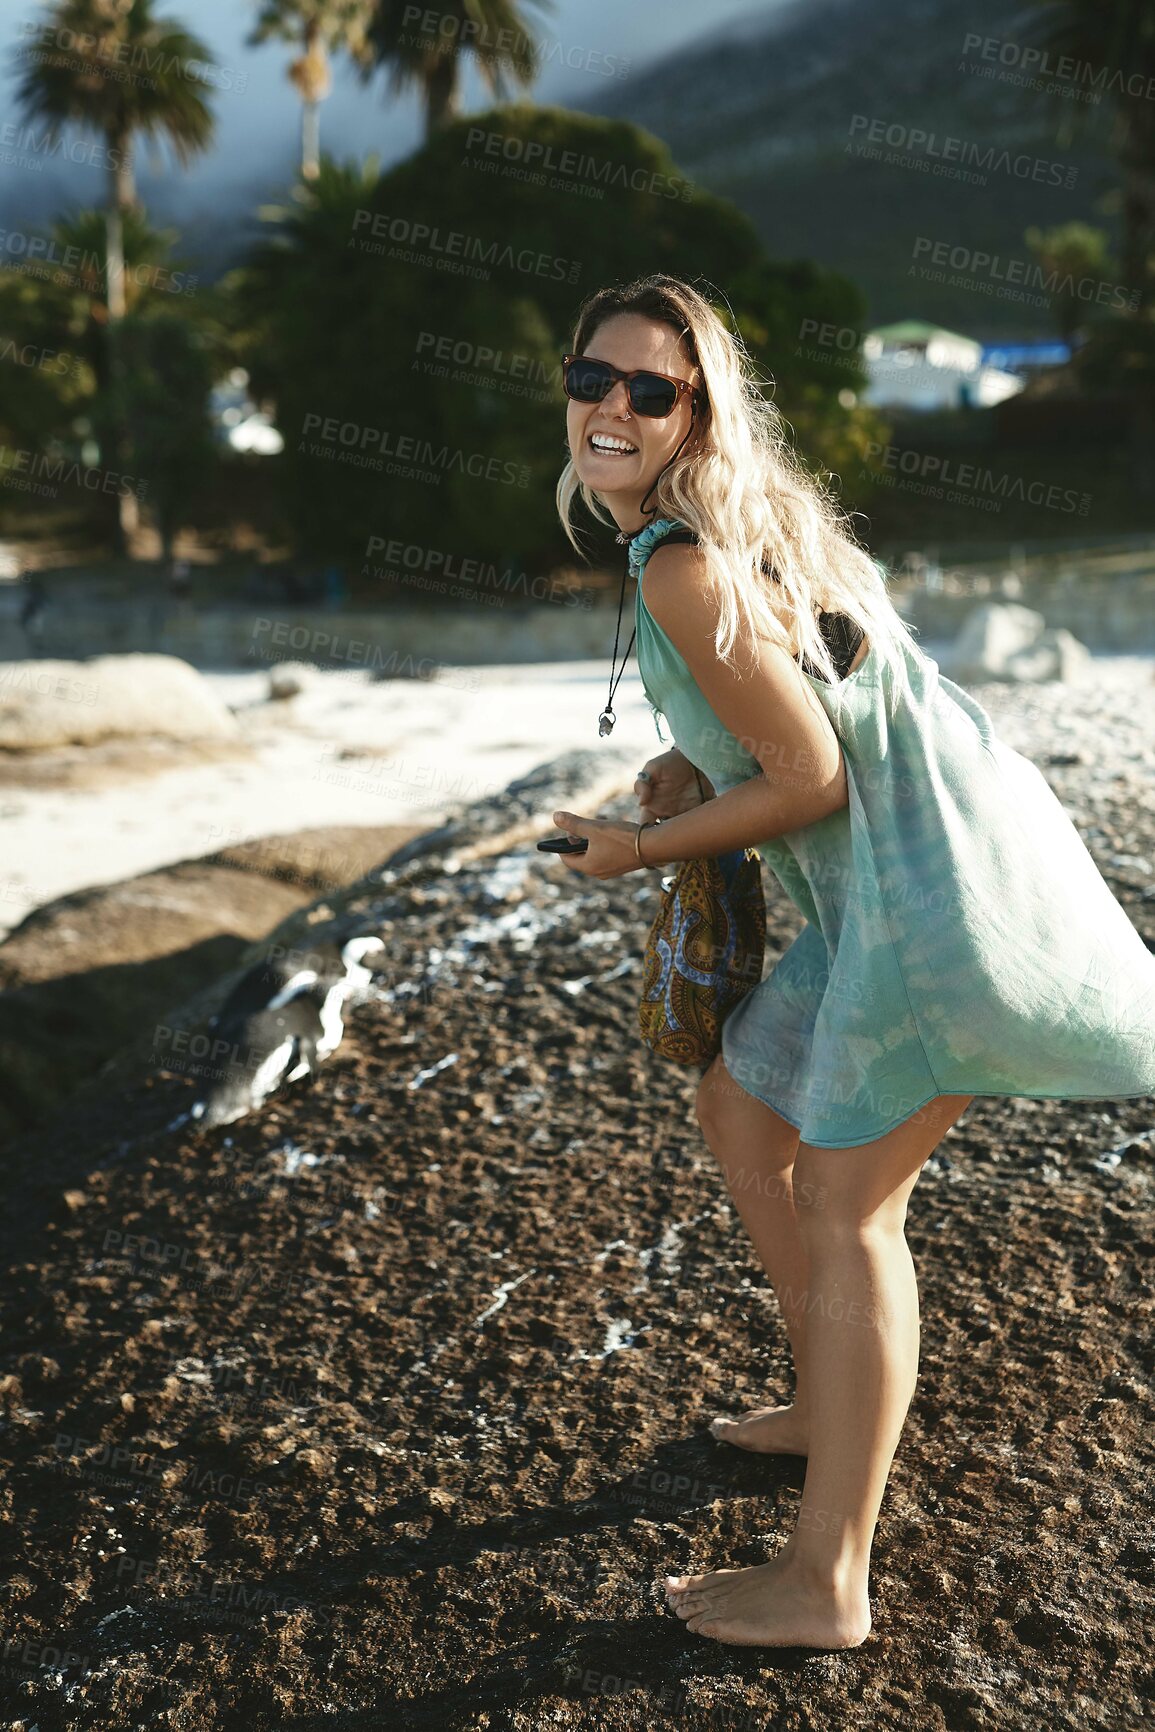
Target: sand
pixel 347 750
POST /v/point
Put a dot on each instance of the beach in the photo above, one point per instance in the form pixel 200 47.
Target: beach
pixel 388 1404
pixel 349 750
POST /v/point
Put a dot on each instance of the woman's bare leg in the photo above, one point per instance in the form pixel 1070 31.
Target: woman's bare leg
pixel 862 1341
pixel 755 1148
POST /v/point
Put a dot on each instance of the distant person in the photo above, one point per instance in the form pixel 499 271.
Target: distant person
pixel 958 941
pixel 179 581
pixel 33 604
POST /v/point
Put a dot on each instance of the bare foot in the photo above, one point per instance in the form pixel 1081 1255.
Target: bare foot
pixel 765 1430
pixel 772 1605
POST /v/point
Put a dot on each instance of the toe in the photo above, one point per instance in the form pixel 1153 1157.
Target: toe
pixel 696 1604
pixel 703 1625
pixel 688 1605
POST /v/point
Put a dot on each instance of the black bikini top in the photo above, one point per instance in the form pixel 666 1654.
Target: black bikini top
pixel 841 634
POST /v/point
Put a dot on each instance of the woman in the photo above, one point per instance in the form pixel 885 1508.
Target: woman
pixel 959 939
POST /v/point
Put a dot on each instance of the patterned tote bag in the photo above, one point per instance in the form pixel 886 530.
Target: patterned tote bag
pixel 704 954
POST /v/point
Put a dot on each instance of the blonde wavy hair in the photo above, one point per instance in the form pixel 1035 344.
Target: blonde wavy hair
pixel 739 486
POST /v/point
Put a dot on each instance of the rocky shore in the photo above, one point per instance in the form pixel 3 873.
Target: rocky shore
pixel 387 1407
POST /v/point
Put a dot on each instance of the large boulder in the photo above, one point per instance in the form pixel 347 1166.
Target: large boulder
pixel 1056 654
pixel 1004 641
pixel 57 703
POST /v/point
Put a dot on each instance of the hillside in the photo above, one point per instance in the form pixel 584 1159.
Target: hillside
pixel 764 116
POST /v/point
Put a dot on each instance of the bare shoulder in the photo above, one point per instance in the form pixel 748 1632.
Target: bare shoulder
pixel 679 595
pixel 675 573
pixel 759 694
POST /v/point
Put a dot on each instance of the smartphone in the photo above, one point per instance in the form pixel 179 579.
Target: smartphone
pixel 563 845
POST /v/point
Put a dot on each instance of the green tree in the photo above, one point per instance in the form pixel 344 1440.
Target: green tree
pixel 59 391
pixel 113 68
pixel 1115 41
pixel 46 375
pixel 816 385
pixel 423 313
pixel 495 32
pixel 316 27
pixel 166 378
pixel 1072 253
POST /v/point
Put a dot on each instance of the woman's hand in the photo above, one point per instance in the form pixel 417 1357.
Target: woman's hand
pixel 611 853
pixel 668 785
pixel 672 787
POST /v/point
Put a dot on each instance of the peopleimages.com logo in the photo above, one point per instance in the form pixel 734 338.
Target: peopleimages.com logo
pixel 945 155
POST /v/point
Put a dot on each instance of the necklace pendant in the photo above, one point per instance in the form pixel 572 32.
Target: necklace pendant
pixel 606 722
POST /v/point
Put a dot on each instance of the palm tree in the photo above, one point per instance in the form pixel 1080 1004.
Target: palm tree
pixel 494 31
pixel 114 68
pixel 316 26
pixel 1115 40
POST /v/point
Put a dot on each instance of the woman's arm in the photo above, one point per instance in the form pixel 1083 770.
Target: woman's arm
pixel 750 813
pixel 769 708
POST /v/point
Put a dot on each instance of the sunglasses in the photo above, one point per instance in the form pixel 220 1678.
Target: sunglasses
pixel 650 394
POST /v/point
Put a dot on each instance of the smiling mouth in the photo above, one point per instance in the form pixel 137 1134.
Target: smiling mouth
pixel 610 450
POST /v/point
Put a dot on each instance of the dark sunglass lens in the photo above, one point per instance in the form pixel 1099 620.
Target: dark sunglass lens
pixel 587 381
pixel 652 395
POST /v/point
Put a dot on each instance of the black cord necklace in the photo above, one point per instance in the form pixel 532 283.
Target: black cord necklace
pixel 607 718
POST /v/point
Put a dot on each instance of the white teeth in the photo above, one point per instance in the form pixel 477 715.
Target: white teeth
pixel 601 442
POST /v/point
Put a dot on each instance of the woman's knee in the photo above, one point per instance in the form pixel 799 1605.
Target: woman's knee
pixel 841 1221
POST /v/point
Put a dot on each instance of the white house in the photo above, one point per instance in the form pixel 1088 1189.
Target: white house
pixel 915 365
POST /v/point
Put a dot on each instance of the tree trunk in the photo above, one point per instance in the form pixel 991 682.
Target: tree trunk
pixel 310 140
pixel 121 194
pixel 114 263
pixel 312 79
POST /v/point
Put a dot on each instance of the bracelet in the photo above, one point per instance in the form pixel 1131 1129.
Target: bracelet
pixel 641 827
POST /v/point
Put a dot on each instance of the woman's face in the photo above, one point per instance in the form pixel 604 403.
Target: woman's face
pixel 629 341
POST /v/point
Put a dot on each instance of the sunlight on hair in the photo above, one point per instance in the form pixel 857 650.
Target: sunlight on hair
pixel 739 485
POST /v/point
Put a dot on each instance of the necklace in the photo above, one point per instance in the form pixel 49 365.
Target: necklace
pixel 606 720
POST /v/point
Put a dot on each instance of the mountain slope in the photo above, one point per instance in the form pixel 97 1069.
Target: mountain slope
pixel 775 115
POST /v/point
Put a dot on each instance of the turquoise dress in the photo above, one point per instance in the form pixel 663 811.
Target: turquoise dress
pixel 959 938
